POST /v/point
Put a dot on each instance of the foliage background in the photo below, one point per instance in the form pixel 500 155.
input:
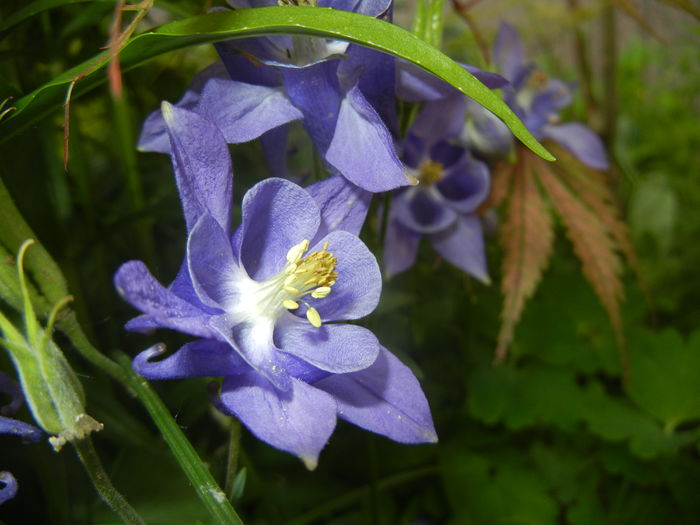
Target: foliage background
pixel 550 436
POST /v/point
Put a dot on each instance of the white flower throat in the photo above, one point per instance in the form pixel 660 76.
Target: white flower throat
pixel 312 275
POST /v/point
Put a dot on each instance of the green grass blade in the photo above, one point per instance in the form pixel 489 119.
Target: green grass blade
pixel 311 21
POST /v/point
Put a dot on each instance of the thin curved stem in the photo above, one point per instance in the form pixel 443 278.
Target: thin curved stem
pixel 110 495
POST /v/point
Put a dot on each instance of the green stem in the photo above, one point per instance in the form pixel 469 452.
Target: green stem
pixel 69 325
pixel 111 496
pixel 207 489
pixel 127 154
pixel 234 447
pixel 435 24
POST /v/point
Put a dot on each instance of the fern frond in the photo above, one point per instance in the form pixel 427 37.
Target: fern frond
pixel 501 180
pixel 594 245
pixel 592 188
pixel 527 237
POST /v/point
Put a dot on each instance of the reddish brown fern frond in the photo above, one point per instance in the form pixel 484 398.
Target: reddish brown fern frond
pixel 594 244
pixel 501 181
pixel 527 241
pixel 592 188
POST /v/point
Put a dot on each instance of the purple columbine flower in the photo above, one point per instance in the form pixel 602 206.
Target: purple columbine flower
pixel 29 433
pixel 537 100
pixel 264 83
pixel 269 304
pixel 451 184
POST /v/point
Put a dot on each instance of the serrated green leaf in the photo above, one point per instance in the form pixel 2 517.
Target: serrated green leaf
pixel 226 25
pixel 665 376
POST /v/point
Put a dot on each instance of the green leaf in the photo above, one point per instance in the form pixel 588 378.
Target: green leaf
pixel 37 7
pixel 497 490
pixel 665 376
pixel 226 25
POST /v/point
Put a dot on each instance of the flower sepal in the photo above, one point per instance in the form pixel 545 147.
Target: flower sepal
pixel 51 388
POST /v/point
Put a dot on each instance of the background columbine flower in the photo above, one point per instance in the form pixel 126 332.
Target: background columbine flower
pixel 262 83
pixel 10 388
pixel 262 300
pixel 451 184
pixel 537 100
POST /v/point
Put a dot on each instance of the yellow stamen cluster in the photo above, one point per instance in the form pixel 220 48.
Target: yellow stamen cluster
pixel 537 79
pixel 311 275
pixel 429 173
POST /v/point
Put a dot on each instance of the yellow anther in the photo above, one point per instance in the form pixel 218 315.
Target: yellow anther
pixel 321 292
pixel 430 172
pixel 313 317
pixel 290 305
pixel 296 251
pixel 291 290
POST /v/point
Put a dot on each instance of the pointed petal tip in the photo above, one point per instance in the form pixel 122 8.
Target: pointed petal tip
pixel 167 109
pixel 310 462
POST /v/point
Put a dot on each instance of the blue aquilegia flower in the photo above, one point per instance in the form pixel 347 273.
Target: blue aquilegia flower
pixel 29 433
pixel 537 100
pixel 269 303
pixel 261 84
pixel 442 206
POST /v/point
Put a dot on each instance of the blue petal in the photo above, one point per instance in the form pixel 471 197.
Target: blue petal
pixel 343 205
pixel 277 214
pixel 581 141
pixel 385 398
pixel 154 136
pixel 362 149
pixel 417 85
pixel 400 248
pixel 215 274
pixel 463 245
pixel 18 428
pixel 337 348
pixel 465 185
pixel 202 166
pixel 359 284
pixel 244 111
pixel 274 145
pixel 203 358
pixel 315 91
pixel 508 54
pixel 440 119
pixel 422 210
pixel 300 421
pixel 377 80
pixel 8 487
pixel 137 286
pixel 254 343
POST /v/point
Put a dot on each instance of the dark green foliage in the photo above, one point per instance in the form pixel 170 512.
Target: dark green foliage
pixel 552 436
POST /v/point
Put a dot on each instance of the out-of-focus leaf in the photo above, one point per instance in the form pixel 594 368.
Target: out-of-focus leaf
pixel 311 21
pixel 499 492
pixel 665 376
pixel 615 420
pixel 685 5
pixel 629 7
pixel 653 210
pixel 37 7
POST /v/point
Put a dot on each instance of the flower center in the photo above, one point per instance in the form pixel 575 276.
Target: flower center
pixel 312 275
pixel 429 173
